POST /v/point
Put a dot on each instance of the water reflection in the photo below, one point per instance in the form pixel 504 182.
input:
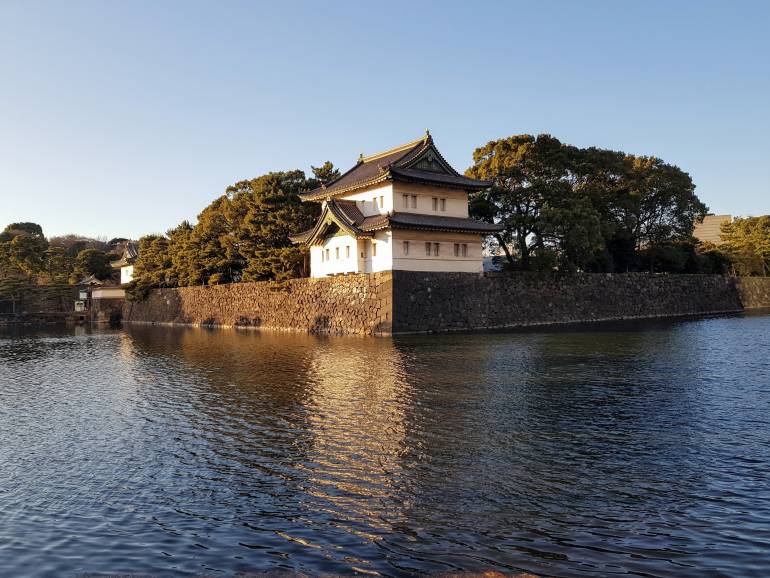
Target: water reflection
pixel 636 449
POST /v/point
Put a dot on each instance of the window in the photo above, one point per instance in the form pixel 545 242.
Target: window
pixel 347 252
pixel 322 256
pixel 465 249
pixel 327 254
pixel 374 249
pixel 435 203
pixel 427 249
pixel 414 201
pixel 435 249
pixel 457 249
pixel 336 252
pixel 406 247
pixel 442 203
pixel 406 201
pixel 382 202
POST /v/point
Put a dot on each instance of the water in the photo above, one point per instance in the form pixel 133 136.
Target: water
pixel 636 449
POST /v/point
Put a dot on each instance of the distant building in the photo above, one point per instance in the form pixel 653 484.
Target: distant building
pixel 405 208
pixel 126 263
pixel 708 231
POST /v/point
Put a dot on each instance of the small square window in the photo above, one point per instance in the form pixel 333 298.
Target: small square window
pixel 427 249
pixel 406 247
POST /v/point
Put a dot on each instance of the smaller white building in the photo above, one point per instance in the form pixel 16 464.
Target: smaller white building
pixel 126 263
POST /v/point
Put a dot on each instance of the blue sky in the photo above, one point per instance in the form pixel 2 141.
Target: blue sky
pixel 123 118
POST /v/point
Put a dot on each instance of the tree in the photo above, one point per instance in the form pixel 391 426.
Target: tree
pixel 27 229
pixel 183 255
pixel 264 212
pixel 91 262
pixel 747 243
pixel 216 254
pixel 324 174
pixel 534 198
pixel 595 208
pixel 58 265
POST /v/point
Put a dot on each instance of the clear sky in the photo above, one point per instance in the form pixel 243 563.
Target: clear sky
pixel 123 118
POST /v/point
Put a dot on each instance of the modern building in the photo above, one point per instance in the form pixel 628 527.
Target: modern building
pixel 126 263
pixel 402 209
pixel 708 230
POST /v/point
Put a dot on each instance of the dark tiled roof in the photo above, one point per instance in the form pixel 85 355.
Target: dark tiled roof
pixel 438 178
pixel 130 254
pixel 440 223
pixel 405 163
pixel 349 218
pixel 345 214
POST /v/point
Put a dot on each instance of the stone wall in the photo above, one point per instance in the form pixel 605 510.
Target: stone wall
pixel 405 301
pixel 353 304
pixel 754 292
pixel 462 301
pixel 43 299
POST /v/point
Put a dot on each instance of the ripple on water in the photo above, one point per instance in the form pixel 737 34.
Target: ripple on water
pixel 638 449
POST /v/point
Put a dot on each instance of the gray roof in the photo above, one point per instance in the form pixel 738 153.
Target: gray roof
pixel 130 254
pixel 418 161
pixel 348 217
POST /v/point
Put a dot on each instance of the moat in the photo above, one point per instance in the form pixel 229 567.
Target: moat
pixel 639 449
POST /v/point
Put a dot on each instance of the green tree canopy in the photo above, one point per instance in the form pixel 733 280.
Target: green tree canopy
pixel 747 243
pixel 91 262
pixel 595 208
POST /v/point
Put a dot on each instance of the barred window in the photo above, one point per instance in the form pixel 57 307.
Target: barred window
pixel 457 249
pixel 465 249
pixel 427 249
pixel 435 203
pixel 435 249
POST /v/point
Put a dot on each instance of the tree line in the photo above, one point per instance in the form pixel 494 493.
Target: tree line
pixel 28 258
pixel 242 235
pixel 562 208
pixel 587 209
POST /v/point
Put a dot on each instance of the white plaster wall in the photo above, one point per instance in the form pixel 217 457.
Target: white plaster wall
pixel 108 293
pixel 417 260
pixel 383 260
pixel 126 274
pixel 366 198
pixel 343 264
pixel 456 201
